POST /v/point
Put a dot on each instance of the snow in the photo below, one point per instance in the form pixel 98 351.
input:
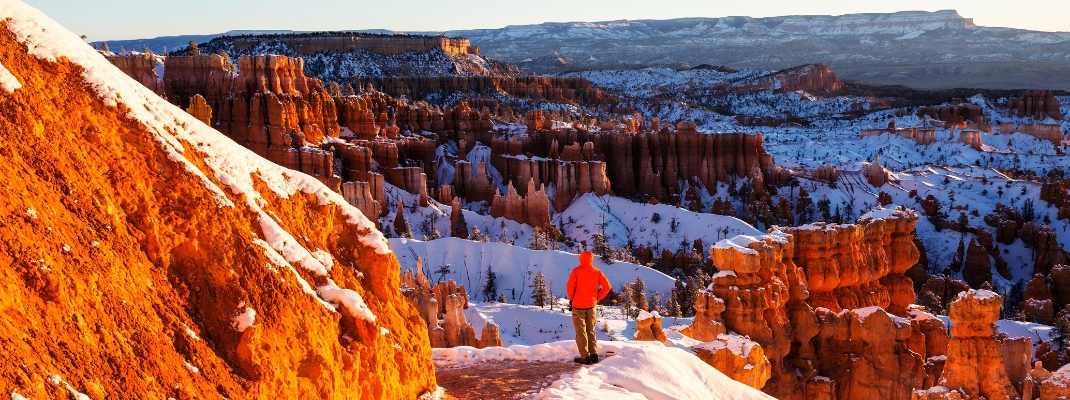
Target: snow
pixel 532 325
pixel 244 319
pixel 31 213
pixel 649 372
pixel 468 262
pixel 58 380
pixel 191 333
pixel 862 313
pixel 737 345
pixel 192 368
pixel 348 299
pixel 16 396
pixel 1037 332
pixel 8 82
pixel 229 164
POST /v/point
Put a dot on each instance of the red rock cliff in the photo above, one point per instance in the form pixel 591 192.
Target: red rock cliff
pixel 153 256
pixel 792 290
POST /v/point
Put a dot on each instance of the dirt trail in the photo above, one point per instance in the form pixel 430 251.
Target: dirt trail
pixel 500 379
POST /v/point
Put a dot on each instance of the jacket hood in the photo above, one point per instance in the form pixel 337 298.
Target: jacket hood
pixel 587 259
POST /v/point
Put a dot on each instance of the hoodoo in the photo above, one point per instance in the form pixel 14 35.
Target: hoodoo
pixel 143 252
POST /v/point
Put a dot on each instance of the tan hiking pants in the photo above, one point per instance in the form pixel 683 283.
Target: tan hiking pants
pixel 583 320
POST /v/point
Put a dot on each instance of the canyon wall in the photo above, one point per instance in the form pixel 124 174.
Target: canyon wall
pixel 380 44
pixel 814 297
pixel 148 254
pixel 538 88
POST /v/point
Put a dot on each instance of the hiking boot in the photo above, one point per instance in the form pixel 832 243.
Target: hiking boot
pixel 581 360
pixel 593 359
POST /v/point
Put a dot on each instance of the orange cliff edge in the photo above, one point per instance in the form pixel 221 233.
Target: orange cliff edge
pixel 159 259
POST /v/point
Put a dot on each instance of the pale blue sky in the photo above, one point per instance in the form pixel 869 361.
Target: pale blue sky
pixel 136 19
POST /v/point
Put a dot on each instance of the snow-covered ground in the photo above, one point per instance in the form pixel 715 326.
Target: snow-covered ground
pixel 468 263
pixel 629 369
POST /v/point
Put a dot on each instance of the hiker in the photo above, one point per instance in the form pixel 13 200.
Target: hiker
pixel 584 293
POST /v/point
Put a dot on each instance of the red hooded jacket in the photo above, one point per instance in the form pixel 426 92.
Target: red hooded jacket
pixel 584 281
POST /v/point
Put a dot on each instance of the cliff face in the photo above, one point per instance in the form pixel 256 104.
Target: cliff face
pixel 814 298
pixel 143 252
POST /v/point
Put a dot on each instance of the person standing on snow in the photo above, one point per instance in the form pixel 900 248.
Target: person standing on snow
pixel 583 294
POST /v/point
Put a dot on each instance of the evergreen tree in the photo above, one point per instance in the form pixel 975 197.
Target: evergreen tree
pixel 1028 212
pixel 501 297
pixel 491 285
pixel 193 50
pixel 104 47
pixel 601 248
pixel 228 64
pixel 691 292
pixel 539 295
pixel 349 91
pixel 334 89
pixel 639 294
pixel 674 309
pixel 627 302
pixel 824 206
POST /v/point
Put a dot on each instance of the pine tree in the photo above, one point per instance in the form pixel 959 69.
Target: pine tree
pixel 348 90
pixel 193 50
pixel 104 47
pixel 539 295
pixel 627 302
pixel 491 286
pixel 639 294
pixel 691 292
pixel 228 64
pixel 334 89
pixel 674 309
pixel 601 248
pixel 1028 211
pixel 501 297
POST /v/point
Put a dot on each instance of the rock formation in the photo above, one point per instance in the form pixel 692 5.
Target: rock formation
pixel 648 327
pixel 1050 132
pixel 124 256
pixel 441 307
pixel 793 292
pixel 876 174
pixel 533 210
pixel 738 358
pixel 975 364
pixel 971 138
pixel 708 323
pixel 1036 104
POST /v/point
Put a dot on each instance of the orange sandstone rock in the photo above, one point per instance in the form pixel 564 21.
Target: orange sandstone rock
pixel 738 358
pixel 125 264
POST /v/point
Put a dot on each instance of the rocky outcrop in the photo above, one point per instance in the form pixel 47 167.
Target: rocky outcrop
pixel 875 174
pixel 1050 132
pixel 1038 302
pixel 975 363
pixel 793 292
pixel 738 358
pixel 568 90
pixel 140 66
pixel 441 307
pixel 959 111
pixel 923 135
pixel 177 273
pixel 813 78
pixel 708 323
pixel 971 138
pixel 533 210
pixel 1036 104
pixel 648 327
pixel 200 110
pixel 351 41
